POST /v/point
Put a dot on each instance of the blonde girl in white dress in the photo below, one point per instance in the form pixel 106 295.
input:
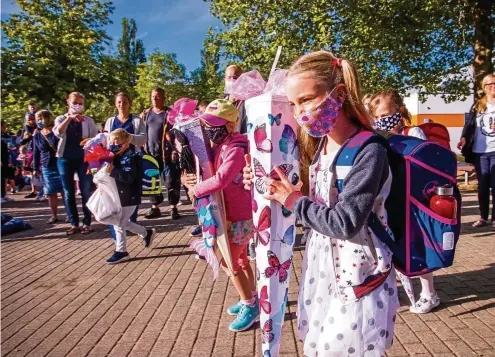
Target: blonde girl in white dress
pixel 348 294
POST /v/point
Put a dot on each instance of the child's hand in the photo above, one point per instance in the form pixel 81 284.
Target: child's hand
pixel 188 180
pixel 190 193
pixel 84 142
pixel 247 173
pixel 109 168
pixel 280 190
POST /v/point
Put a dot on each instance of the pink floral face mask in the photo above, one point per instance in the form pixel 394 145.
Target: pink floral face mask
pixel 320 120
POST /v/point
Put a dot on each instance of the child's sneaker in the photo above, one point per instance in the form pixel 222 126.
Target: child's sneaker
pixel 197 232
pixel 246 317
pixel 252 250
pixel 118 257
pixel 234 309
pixel 150 234
pixel 424 305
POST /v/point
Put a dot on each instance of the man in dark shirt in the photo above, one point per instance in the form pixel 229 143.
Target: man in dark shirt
pixel 157 127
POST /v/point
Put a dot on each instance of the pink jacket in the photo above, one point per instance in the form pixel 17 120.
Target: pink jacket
pixel 229 162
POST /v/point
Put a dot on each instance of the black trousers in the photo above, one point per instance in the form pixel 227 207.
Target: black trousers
pixel 173 185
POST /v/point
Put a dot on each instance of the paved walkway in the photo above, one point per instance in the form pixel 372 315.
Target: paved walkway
pixel 60 299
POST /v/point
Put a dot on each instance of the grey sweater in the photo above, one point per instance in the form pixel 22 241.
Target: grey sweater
pixel 361 187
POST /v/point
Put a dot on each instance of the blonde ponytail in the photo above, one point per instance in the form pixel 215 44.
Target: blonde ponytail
pixel 355 107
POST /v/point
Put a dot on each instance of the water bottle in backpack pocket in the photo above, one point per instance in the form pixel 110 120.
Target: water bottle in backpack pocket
pixel 424 203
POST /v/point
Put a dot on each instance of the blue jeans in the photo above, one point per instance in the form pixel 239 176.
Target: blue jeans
pixel 67 168
pixel 485 170
pixel 133 219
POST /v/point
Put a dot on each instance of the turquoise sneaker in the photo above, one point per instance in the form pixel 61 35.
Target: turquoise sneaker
pixel 247 316
pixel 234 309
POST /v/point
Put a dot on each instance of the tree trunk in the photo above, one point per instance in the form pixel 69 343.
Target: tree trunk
pixel 483 42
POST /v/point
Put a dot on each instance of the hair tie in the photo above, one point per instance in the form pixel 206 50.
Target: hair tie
pixel 337 63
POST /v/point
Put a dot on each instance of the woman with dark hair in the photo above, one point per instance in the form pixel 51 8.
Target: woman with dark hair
pixel 127 121
pixel 133 125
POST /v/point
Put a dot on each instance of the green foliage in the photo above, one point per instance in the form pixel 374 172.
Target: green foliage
pixel 53 48
pixel 394 43
pixel 161 70
pixel 131 53
pixel 206 81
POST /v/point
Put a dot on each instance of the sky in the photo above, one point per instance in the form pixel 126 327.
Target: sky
pixel 172 26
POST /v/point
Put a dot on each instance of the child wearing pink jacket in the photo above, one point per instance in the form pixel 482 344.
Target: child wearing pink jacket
pixel 229 147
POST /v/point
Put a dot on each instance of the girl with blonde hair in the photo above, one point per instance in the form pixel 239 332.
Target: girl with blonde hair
pixel 347 292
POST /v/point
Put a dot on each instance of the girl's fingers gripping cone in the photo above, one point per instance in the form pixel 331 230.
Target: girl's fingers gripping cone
pixel 247 173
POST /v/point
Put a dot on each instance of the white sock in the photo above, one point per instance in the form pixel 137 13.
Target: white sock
pixel 427 285
pixel 250 302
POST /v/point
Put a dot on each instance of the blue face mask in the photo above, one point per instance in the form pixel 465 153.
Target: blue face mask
pixel 115 148
pixel 40 125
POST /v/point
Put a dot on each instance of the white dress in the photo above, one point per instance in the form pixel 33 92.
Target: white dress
pixel 329 326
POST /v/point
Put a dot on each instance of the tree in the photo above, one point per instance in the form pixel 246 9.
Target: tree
pixel 206 81
pixel 394 43
pixel 52 48
pixel 160 70
pixel 130 52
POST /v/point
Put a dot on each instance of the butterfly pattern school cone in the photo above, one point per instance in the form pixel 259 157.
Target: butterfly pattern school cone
pixel 200 146
pixel 272 133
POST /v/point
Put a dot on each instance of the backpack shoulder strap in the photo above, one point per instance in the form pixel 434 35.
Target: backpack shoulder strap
pixel 344 161
pixel 350 150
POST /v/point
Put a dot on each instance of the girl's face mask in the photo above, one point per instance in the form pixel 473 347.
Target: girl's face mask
pixel 116 148
pixel 40 125
pixel 387 123
pixel 217 134
pixel 320 120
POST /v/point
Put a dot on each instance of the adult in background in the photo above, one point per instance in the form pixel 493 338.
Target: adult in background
pixel 202 106
pixel 134 126
pixel 367 100
pixel 231 74
pixel 478 147
pixel 27 141
pixel 5 169
pixel 45 160
pixel 71 128
pixel 32 108
pixel 158 146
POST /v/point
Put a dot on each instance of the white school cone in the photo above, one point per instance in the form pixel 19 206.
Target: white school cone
pixel 273 142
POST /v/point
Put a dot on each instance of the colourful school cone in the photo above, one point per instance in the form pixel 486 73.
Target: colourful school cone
pixel 273 142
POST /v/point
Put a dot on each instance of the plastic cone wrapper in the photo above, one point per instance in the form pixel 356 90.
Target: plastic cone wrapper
pixel 272 133
pixel 211 210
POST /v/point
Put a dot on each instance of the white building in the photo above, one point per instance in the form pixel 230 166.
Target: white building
pixel 452 115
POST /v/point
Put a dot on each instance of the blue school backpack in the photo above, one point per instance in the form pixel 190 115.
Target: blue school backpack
pixel 151 183
pixel 423 241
